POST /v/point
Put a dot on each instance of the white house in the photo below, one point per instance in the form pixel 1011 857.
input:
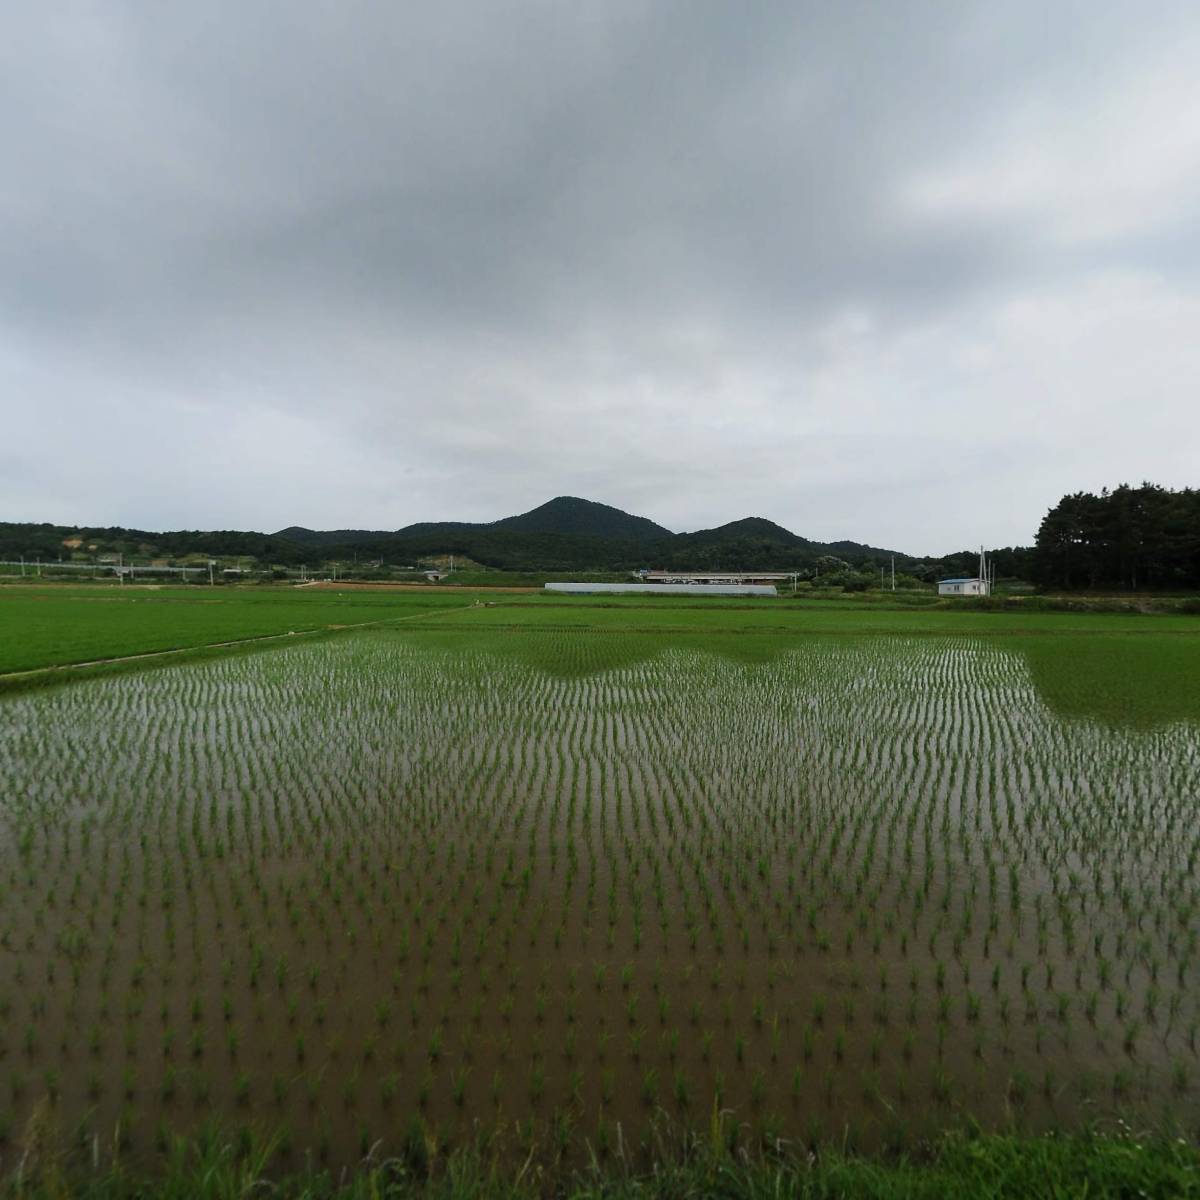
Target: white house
pixel 963 587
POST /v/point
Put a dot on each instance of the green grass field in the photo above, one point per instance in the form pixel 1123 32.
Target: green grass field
pixel 1125 668
pixel 56 625
pixel 59 624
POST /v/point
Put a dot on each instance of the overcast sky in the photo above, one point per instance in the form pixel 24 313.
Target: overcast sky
pixel 899 272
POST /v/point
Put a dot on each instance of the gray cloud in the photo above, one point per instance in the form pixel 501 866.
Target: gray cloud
pixel 898 272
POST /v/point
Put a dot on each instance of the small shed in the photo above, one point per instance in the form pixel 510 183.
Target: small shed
pixel 963 587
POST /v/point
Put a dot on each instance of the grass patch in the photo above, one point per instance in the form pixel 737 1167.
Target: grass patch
pixel 53 626
pixel 991 1166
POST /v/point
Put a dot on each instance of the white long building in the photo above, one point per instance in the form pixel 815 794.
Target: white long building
pixel 665 589
pixel 723 577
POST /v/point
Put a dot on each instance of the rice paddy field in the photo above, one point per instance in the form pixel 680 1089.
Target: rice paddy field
pixel 568 870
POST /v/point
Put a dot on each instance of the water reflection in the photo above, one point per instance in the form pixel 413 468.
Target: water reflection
pixel 1135 680
pixel 576 653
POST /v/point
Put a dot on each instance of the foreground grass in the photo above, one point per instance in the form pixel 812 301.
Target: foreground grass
pixel 994 1166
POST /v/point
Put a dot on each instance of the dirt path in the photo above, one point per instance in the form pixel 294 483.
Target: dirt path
pixel 61 668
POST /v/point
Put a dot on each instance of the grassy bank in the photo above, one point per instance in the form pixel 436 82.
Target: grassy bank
pixel 993 1166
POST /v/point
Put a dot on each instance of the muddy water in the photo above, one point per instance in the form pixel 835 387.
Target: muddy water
pixel 859 890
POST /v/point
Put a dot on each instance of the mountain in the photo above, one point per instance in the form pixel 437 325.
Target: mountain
pixel 570 514
pixel 754 529
pixel 329 537
pixel 845 549
pixel 565 534
pixel 564 514
pixel 433 528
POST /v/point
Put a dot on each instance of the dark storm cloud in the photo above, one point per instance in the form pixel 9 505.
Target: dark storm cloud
pixel 361 264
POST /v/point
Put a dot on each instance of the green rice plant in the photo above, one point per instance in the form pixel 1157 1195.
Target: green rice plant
pixel 537 1084
pixel 1129 1042
pixel 635 1044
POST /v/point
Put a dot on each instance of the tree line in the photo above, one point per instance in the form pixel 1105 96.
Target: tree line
pixel 1143 538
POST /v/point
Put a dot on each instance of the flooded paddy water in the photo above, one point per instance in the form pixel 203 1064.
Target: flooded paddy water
pixel 567 883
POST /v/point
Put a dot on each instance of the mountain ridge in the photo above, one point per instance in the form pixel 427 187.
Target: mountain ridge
pixel 567 533
pixel 609 533
pixel 563 514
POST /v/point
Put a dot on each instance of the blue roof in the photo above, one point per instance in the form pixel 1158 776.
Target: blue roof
pixel 973 579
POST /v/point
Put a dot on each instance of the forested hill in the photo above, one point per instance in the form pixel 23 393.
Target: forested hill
pixel 570 533
pixel 573 534
pixel 1146 538
pixel 564 514
pixel 565 534
pixel 571 515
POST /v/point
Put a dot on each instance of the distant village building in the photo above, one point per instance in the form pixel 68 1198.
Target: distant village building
pixel 962 587
pixel 976 585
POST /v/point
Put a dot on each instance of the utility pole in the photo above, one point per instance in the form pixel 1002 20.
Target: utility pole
pixel 893 572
